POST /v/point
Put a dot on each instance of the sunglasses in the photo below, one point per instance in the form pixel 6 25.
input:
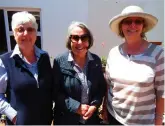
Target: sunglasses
pixel 22 29
pixel 76 38
pixel 129 22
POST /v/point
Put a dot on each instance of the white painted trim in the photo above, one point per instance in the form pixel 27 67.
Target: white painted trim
pixel 41 30
pixel 38 33
pixel 10 33
pixel 21 9
pixel 7 30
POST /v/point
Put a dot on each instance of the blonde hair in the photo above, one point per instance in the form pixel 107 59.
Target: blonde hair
pixel 23 18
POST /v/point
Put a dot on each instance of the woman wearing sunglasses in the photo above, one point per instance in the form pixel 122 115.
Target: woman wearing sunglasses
pixel 25 77
pixel 82 84
pixel 135 72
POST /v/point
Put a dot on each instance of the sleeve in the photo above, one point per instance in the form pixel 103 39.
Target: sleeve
pixel 159 75
pixel 5 107
pixel 59 96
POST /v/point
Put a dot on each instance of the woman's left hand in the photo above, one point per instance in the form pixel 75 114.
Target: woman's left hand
pixel 89 113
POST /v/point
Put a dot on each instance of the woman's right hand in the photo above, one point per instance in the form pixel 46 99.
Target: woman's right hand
pixel 90 112
pixel 83 108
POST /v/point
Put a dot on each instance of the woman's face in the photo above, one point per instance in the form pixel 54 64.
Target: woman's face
pixel 79 42
pixel 25 36
pixel 132 27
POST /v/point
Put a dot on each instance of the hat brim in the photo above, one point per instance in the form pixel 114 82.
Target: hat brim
pixel 150 21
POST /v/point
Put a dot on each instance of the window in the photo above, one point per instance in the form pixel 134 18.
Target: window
pixel 3 44
pixel 7 41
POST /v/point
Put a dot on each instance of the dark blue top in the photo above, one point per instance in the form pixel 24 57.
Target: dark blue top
pixel 33 104
pixel 68 89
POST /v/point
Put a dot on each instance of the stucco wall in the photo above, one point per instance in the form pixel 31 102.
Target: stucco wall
pixel 101 11
pixel 56 15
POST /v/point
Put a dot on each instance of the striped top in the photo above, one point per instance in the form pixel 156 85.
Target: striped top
pixel 134 82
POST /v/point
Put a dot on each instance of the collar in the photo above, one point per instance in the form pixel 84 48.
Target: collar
pixel 71 59
pixel 125 54
pixel 17 51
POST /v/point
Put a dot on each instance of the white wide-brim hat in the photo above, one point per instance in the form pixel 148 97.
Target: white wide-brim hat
pixel 133 11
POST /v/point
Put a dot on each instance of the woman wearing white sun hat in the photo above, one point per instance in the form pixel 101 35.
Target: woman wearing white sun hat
pixel 135 71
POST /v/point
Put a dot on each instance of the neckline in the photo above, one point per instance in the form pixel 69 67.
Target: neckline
pixel 123 53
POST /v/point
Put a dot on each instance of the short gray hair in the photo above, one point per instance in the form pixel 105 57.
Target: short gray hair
pixel 84 27
pixel 22 18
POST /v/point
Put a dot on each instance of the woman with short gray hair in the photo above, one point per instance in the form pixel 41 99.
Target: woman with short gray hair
pixel 25 77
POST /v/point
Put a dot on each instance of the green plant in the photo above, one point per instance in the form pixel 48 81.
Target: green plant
pixel 103 61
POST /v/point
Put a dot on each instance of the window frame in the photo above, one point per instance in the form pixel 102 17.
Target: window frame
pixel 10 33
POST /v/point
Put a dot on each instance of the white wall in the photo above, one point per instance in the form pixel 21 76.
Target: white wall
pixel 56 15
pixel 59 14
pixel 101 11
